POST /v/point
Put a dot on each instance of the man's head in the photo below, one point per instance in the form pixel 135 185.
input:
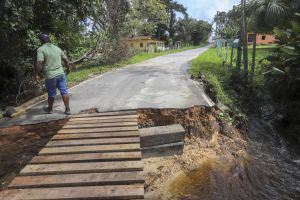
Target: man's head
pixel 44 38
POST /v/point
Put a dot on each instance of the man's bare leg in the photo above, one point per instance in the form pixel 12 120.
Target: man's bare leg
pixel 66 102
pixel 50 105
pixel 50 102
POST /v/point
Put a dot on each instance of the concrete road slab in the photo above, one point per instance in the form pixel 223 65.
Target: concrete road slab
pixel 161 82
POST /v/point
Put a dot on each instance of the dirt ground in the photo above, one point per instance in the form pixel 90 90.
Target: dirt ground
pixel 18 144
pixel 208 138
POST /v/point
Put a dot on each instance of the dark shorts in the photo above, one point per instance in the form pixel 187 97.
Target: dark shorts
pixel 59 82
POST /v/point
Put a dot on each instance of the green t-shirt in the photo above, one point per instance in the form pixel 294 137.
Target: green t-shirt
pixel 52 56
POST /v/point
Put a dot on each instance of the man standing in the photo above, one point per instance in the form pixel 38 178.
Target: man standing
pixel 49 59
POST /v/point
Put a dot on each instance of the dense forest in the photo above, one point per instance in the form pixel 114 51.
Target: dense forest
pixel 85 30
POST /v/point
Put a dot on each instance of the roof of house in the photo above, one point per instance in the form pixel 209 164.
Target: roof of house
pixel 141 38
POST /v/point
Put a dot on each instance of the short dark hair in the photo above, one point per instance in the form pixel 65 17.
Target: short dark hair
pixel 44 37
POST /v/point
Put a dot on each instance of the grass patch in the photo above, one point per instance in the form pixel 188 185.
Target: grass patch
pixel 210 64
pixel 218 75
pixel 85 72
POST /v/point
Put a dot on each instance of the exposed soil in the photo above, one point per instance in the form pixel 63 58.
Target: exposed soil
pixel 208 138
pixel 18 144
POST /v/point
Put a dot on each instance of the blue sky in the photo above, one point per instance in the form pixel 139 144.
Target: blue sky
pixel 206 9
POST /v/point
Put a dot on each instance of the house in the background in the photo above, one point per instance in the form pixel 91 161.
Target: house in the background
pixel 146 43
pixel 261 38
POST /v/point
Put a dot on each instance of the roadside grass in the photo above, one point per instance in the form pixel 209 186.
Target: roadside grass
pixel 210 64
pixel 82 73
pixel 218 75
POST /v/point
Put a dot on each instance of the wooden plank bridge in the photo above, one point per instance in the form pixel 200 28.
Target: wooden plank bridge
pixel 94 156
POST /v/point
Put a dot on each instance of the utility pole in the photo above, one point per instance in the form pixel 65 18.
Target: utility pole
pixel 245 42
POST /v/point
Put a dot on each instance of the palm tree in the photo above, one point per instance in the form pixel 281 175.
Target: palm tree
pixel 265 13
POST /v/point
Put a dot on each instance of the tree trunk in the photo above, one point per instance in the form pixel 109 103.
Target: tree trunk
pixel 245 42
pixel 171 26
pixel 254 50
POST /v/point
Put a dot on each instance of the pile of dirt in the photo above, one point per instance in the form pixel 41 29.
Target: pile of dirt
pixel 199 121
pixel 208 138
pixel 18 144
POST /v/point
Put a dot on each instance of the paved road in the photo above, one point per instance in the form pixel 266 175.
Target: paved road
pixel 161 82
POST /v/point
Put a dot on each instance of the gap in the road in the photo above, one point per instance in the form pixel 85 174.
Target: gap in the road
pixel 206 134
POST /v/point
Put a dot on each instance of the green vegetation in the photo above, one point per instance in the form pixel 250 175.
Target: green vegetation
pixel 274 82
pixel 91 32
pixel 84 72
pixel 210 64
pixel 220 76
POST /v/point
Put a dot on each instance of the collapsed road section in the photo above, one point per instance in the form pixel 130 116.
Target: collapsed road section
pixel 198 128
pixel 103 162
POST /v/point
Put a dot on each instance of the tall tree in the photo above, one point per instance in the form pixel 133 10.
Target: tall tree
pixel 171 8
pixel 266 14
pixel 220 19
pixel 148 17
pixel 192 31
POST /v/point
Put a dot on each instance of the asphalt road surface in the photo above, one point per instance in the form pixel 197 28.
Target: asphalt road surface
pixel 161 82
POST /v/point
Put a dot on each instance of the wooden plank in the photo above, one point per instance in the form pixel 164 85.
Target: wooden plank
pixel 105 114
pixel 90 149
pixel 98 130
pixel 104 118
pixel 96 135
pixel 83 142
pixel 75 193
pixel 99 125
pixel 88 157
pixel 69 180
pixel 102 121
pixel 73 168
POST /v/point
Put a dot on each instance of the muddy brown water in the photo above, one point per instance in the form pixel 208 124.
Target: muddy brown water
pixel 270 171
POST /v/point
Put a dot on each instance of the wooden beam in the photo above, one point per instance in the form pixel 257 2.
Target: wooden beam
pixel 90 149
pixel 75 193
pixel 99 125
pixel 96 135
pixel 85 142
pixel 88 157
pixel 70 180
pixel 121 113
pixel 98 130
pixel 72 168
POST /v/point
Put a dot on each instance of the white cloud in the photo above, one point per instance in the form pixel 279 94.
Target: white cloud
pixel 206 9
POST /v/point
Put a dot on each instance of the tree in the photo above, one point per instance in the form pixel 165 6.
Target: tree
pixel 220 19
pixel 266 14
pixel 201 32
pixel 171 8
pixel 20 23
pixel 148 17
pixel 231 29
pixel 83 28
pixel 191 31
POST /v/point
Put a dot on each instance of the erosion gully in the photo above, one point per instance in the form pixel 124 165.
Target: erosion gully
pixel 248 163
pixel 269 171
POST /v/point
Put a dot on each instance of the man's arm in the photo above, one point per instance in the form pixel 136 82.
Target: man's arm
pixel 38 67
pixel 67 64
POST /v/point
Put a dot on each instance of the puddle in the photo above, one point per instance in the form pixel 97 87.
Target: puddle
pixel 195 184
